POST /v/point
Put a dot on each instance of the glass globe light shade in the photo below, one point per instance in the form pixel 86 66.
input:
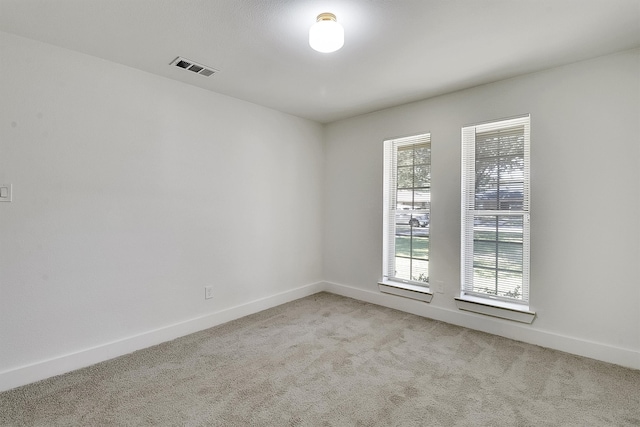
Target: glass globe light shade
pixel 326 35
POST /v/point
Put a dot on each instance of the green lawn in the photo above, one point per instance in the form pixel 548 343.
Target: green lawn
pixel 509 258
pixel 420 247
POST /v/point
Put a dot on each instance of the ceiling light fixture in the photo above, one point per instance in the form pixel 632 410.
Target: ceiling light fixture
pixel 326 35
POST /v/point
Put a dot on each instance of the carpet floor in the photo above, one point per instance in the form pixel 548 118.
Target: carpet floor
pixel 327 360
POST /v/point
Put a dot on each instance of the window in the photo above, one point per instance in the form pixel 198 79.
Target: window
pixel 407 199
pixel 495 212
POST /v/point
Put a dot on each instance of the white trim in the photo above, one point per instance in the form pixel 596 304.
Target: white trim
pixel 469 212
pixel 65 363
pixel 495 308
pixel 59 365
pixel 492 325
pixel 490 124
pixel 390 199
pixel 407 290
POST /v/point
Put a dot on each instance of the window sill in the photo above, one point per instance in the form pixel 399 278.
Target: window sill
pixel 406 290
pixel 503 310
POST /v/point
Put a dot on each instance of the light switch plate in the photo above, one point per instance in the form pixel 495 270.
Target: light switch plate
pixel 5 192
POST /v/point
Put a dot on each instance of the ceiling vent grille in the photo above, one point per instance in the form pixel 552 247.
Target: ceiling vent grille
pixel 187 64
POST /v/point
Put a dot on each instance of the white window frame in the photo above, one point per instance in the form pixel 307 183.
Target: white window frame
pixel 470 300
pixel 390 283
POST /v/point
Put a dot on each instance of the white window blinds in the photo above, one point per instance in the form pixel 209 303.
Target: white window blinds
pixel 495 210
pixel 407 202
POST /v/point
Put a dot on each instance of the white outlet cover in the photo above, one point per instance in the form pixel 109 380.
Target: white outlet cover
pixel 5 192
pixel 438 286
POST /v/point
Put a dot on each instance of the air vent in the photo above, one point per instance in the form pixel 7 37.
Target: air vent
pixel 194 67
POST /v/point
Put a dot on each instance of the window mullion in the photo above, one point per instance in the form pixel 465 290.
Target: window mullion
pixel 497 254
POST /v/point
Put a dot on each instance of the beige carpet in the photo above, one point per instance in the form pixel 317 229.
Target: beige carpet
pixel 326 360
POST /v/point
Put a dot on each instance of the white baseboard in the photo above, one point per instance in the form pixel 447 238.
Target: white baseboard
pixel 59 365
pixel 606 353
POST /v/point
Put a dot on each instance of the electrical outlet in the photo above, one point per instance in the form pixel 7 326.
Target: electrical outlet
pixel 208 292
pixel 438 286
pixel 5 192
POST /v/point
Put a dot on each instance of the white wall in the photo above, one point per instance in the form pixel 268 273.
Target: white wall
pixel 131 193
pixel 585 271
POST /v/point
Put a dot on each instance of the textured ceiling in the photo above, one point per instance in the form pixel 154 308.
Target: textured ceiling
pixel 396 51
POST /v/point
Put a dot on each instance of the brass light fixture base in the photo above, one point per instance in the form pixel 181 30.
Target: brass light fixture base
pixel 326 17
